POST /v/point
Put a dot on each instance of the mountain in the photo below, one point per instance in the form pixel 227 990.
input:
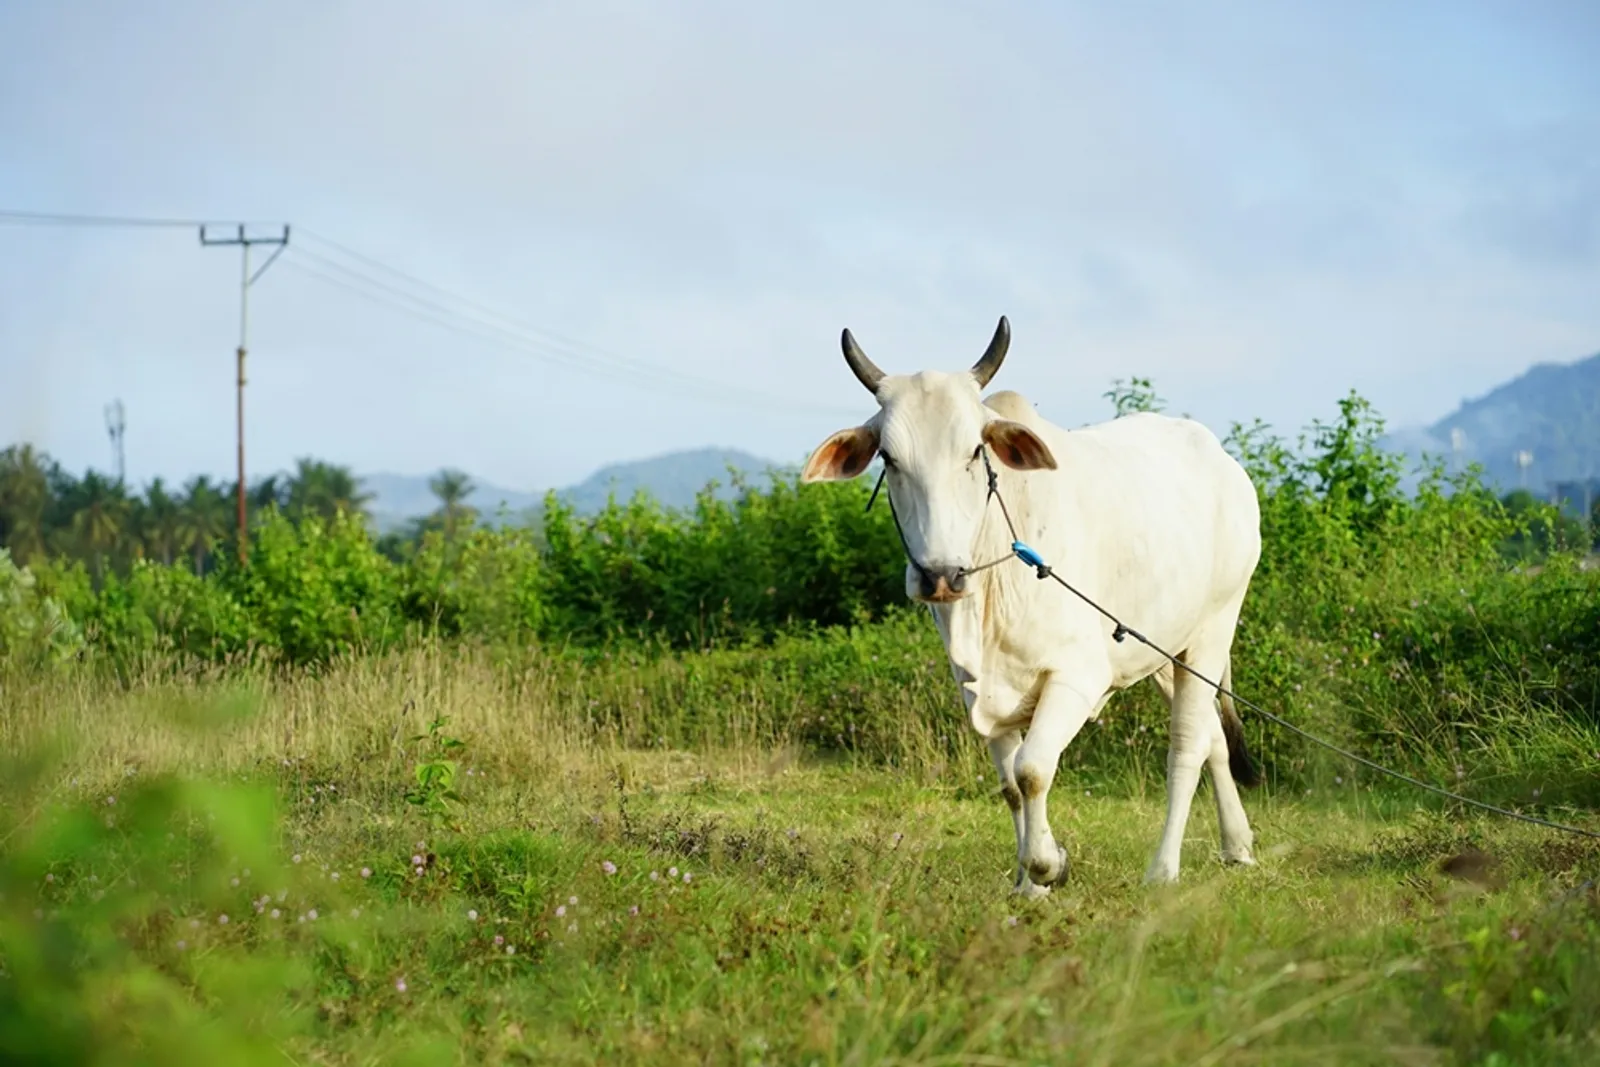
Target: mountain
pixel 673 479
pixel 1551 412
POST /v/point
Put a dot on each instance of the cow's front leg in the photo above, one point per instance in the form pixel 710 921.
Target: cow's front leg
pixel 1061 712
pixel 1003 750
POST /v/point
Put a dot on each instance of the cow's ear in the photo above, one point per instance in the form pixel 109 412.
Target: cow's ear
pixel 842 456
pixel 1017 446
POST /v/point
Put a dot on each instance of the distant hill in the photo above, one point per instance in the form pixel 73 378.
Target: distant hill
pixel 673 479
pixel 1552 411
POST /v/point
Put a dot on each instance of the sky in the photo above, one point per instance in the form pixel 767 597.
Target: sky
pixel 670 210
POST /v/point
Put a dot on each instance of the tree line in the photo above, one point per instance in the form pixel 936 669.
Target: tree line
pixel 48 512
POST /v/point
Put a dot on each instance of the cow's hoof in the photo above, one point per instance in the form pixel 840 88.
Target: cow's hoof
pixel 1160 874
pixel 1046 874
pixel 1027 890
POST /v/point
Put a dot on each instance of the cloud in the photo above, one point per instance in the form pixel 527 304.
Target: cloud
pixel 1260 211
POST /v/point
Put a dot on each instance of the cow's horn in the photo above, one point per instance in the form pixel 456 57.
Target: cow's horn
pixel 984 369
pixel 864 368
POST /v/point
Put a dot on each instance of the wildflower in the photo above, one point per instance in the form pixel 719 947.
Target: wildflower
pixel 672 872
pixel 686 877
pixel 472 913
pixel 366 872
pixel 511 950
pixel 572 928
pixel 355 913
pixel 49 877
pixel 417 871
pixel 573 901
pixel 194 924
pixel 236 883
pixel 416 861
pixel 276 913
pixel 222 919
pixel 297 857
pixel 655 876
pixel 499 940
pixel 609 867
pixel 111 800
pixel 1011 920
pixel 400 984
pixel 634 910
pixel 1515 933
pixel 312 914
pixel 334 876
pixel 561 910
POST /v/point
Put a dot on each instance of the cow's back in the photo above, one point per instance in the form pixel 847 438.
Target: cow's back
pixel 1147 514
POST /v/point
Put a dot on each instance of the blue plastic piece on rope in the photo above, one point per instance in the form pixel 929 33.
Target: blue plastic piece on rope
pixel 1026 554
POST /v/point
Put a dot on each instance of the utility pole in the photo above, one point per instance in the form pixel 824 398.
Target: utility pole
pixel 246 280
pixel 115 427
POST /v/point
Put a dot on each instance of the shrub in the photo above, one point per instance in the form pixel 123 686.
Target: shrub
pixel 34 627
pixel 313 591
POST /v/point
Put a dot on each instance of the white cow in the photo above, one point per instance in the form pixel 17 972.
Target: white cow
pixel 1146 514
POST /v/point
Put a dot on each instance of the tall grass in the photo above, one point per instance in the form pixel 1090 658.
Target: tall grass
pixel 387 774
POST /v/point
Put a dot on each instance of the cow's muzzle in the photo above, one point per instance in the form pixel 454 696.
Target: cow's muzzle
pixel 941 585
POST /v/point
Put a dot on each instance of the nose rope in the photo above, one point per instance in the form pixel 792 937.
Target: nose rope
pixel 926 576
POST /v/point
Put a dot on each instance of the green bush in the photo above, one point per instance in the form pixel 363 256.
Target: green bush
pixel 34 626
pixel 164 610
pixel 315 592
pixel 488 584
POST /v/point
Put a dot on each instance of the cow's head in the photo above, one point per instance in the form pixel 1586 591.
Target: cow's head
pixel 931 429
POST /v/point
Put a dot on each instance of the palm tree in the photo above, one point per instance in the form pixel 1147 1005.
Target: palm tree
pixel 324 490
pixel 269 492
pixel 452 487
pixel 100 519
pixel 25 500
pixel 204 519
pixel 161 521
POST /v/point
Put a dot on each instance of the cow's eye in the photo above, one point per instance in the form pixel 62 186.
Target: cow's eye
pixel 888 460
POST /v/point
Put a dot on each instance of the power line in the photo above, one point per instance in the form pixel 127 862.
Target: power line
pixel 542 343
pixel 524 337
pixel 43 218
pixel 493 313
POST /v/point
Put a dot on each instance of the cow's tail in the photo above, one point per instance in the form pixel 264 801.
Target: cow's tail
pixel 1243 768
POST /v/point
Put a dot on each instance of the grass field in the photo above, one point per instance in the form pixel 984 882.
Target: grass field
pixel 734 902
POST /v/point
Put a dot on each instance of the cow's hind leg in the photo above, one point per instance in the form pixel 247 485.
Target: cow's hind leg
pixel 1062 710
pixel 1003 750
pixel 1196 739
pixel 1231 766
